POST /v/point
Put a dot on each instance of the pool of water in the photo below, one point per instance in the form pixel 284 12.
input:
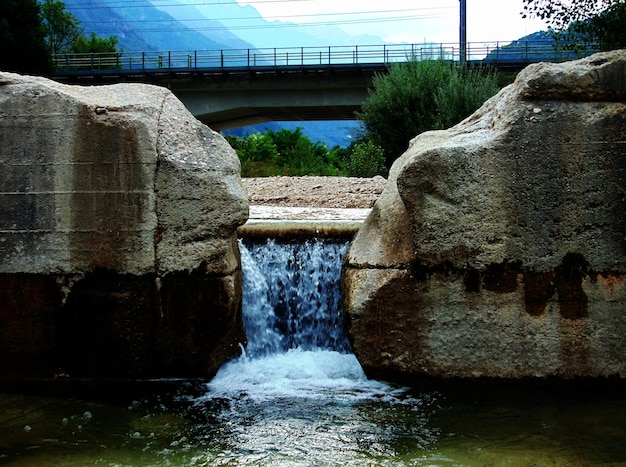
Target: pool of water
pixel 339 420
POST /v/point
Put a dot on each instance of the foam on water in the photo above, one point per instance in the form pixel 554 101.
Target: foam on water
pixel 298 374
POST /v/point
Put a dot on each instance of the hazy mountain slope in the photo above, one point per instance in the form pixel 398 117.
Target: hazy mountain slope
pixel 141 27
pixel 539 46
pixel 248 24
pixel 208 25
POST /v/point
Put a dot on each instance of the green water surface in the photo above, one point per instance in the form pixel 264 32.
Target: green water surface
pixel 456 425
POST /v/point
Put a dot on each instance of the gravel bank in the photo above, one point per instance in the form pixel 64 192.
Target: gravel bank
pixel 318 192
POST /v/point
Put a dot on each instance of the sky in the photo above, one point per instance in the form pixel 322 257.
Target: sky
pixel 412 21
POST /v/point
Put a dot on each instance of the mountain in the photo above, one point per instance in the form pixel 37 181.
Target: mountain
pixel 151 25
pixel 538 46
pixel 139 26
pixel 248 24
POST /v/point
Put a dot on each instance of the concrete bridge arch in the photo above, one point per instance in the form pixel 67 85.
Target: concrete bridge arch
pixel 231 101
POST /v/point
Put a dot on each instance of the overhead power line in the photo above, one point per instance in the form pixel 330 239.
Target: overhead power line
pixel 281 25
pixel 129 4
pixel 281 17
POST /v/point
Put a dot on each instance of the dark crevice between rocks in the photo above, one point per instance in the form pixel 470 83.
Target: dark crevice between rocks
pixel 363 266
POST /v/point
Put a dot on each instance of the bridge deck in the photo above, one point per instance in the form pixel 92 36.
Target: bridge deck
pixel 141 65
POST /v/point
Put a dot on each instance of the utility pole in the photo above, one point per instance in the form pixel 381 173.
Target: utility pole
pixel 463 32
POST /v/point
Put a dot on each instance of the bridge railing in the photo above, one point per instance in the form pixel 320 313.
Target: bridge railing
pixel 302 57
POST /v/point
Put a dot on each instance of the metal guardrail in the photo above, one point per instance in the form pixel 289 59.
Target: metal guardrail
pixel 229 60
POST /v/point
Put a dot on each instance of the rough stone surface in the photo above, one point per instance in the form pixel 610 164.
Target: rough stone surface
pixel 118 218
pixel 498 247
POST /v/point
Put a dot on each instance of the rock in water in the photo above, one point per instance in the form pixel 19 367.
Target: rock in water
pixel 118 221
pixel 498 247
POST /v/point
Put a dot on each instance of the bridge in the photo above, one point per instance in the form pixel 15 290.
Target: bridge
pixel 236 87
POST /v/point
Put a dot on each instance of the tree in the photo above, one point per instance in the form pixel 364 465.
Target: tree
pixel 62 27
pixel 23 47
pixel 560 14
pixel 94 44
pixel 65 35
pixel 607 29
pixel 582 21
pixel 257 153
pixel 298 155
pixel 105 52
pixel 416 96
pixel 284 152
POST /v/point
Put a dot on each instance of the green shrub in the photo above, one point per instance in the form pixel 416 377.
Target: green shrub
pixel 461 94
pixel 366 160
pixel 416 96
pixel 257 153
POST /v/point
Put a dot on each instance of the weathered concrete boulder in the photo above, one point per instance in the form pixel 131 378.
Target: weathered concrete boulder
pixel 118 218
pixel 498 248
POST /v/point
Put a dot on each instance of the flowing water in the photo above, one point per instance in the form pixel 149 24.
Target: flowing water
pixel 297 397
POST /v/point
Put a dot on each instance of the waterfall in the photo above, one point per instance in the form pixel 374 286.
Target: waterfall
pixel 294 325
pixel 292 298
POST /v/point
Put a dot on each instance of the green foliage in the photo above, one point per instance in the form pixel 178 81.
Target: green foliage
pixel 31 32
pixel 366 160
pixel 291 153
pixel 559 14
pixel 283 152
pixel 62 27
pixel 416 96
pixel 94 44
pixel 298 155
pixel 608 29
pixel 98 53
pixel 337 159
pixel 65 35
pixel 460 94
pixel 257 153
pixel 23 47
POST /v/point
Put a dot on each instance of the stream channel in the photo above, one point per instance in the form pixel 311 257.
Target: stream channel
pixel 297 396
